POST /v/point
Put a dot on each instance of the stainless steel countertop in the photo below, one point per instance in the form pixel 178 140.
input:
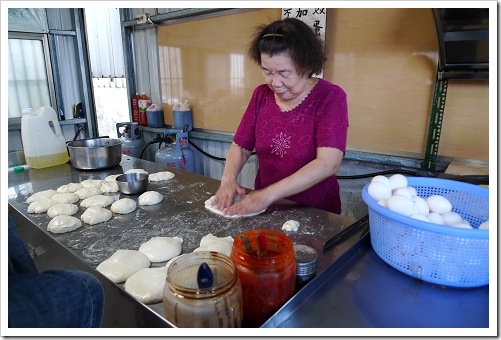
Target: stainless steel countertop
pixel 181 213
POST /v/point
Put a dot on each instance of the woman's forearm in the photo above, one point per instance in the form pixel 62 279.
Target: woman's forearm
pixel 325 165
pixel 235 161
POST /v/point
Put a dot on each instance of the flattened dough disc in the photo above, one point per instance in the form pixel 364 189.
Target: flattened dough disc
pixel 208 205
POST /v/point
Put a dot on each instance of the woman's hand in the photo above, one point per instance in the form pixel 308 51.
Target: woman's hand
pixel 235 160
pixel 225 195
pixel 254 202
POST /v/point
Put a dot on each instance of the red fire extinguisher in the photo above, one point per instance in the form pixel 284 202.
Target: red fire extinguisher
pixel 135 108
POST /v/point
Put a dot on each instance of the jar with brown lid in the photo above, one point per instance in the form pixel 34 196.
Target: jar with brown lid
pixel 268 278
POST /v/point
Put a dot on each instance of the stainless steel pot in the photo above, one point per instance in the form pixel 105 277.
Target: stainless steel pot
pixel 95 153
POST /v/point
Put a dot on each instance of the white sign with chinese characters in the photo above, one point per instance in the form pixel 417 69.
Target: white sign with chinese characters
pixel 314 17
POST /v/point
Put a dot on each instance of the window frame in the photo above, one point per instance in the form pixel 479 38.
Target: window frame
pixel 43 37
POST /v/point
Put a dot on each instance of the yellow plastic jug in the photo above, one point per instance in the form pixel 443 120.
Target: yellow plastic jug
pixel 43 142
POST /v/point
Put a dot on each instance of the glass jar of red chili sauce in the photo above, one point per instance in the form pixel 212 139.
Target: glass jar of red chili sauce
pixel 266 266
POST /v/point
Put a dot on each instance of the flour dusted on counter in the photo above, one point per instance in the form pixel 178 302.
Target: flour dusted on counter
pixel 123 264
pixel 290 225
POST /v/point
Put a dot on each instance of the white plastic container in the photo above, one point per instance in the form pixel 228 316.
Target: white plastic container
pixel 43 142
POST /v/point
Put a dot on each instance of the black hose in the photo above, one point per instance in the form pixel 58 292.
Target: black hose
pixel 474 179
pixel 401 171
pixel 205 153
pixel 385 172
pixel 80 127
pixel 144 148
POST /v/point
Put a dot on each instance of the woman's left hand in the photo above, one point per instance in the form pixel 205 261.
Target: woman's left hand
pixel 253 202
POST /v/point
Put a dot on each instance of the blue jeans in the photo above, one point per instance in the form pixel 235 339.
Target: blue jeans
pixel 53 298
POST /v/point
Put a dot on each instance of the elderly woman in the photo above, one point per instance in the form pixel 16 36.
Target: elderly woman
pixel 296 123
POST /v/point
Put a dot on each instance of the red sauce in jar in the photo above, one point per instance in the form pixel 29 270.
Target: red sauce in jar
pixel 267 281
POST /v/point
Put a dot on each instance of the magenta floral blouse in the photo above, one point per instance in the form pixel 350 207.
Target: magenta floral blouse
pixel 286 141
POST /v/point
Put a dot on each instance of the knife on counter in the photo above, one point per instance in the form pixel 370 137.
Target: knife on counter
pixel 347 232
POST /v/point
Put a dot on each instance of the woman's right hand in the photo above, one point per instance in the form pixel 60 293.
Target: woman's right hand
pixel 229 188
pixel 225 195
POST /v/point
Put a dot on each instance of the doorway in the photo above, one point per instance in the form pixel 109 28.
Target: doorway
pixel 104 41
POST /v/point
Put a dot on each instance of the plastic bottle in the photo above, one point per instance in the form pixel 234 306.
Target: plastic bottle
pixel 143 104
pixel 43 142
pixel 268 279
pixel 135 108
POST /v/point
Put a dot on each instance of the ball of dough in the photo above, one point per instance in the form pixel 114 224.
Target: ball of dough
pixel 290 225
pixel 136 170
pixel 147 285
pixel 41 205
pixel 218 244
pixel 63 224
pixel 92 183
pixel 111 178
pixel 150 198
pixel 66 197
pixel 70 187
pixel 41 194
pixel 109 186
pixel 160 249
pixel 161 176
pixel 62 209
pixel 123 206
pixel 87 192
pixel 96 214
pixel 100 200
pixel 122 264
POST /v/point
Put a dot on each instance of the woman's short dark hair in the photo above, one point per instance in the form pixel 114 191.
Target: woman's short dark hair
pixel 291 35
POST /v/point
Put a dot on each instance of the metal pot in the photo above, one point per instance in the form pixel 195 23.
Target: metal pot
pixel 95 153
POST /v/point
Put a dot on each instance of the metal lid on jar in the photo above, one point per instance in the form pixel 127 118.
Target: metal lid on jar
pixel 306 259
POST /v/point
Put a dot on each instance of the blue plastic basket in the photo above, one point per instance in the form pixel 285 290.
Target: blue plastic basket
pixel 435 253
